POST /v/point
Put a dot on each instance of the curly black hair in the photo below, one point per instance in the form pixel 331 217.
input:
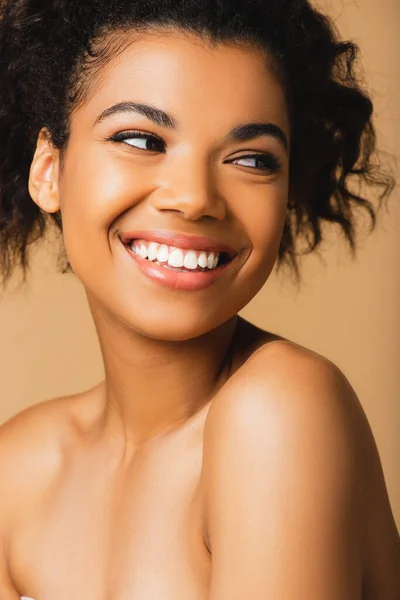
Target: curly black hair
pixel 51 49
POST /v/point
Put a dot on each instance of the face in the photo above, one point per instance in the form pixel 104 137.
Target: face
pixel 175 175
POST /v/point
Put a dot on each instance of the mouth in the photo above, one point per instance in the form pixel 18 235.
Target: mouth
pixel 194 264
pixel 178 251
pixel 179 259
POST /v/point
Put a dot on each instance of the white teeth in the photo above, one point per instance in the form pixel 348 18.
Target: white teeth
pixel 190 260
pixel 163 253
pixel 210 260
pixel 153 250
pixel 202 260
pixel 175 258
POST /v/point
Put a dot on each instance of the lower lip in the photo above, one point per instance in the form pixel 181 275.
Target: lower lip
pixel 178 280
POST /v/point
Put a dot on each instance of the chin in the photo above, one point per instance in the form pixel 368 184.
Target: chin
pixel 173 320
pixel 118 303
pixel 174 323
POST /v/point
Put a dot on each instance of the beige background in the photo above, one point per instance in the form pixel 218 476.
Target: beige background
pixel 346 311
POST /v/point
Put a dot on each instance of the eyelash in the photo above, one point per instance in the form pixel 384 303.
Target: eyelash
pixel 271 163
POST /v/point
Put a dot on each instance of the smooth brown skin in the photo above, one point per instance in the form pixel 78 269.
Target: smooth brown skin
pixel 186 475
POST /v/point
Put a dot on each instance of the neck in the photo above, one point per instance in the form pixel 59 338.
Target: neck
pixel 152 386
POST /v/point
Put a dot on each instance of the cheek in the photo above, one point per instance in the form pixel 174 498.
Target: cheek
pixel 263 217
pixel 98 187
pixel 95 190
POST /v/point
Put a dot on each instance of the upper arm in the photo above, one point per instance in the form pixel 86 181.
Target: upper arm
pixel 279 467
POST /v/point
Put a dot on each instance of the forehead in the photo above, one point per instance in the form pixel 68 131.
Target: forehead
pixel 190 77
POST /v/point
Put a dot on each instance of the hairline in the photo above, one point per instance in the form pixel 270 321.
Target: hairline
pixel 110 43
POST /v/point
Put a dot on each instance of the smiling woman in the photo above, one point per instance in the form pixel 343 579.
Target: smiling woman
pixel 182 149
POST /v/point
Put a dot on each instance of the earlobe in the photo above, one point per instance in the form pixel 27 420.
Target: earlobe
pixel 43 176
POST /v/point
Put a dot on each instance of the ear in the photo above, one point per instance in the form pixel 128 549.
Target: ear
pixel 43 175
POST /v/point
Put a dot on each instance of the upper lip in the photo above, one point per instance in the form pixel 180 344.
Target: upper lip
pixel 177 239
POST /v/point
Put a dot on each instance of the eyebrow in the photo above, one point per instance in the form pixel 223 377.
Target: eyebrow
pixel 240 133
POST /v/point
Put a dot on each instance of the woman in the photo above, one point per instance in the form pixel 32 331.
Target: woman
pixel 182 148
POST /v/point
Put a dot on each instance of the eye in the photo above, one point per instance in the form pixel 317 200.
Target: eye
pixel 269 163
pixel 139 140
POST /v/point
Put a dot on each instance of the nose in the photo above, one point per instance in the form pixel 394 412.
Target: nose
pixel 190 191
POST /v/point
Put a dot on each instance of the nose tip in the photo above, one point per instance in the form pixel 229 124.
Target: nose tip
pixel 192 195
pixel 192 206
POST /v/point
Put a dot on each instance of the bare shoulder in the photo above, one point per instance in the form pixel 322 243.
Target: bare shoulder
pixel 290 393
pixel 286 388
pixel 288 446
pixel 33 447
pixel 31 455
pixel 288 376
pixel 286 395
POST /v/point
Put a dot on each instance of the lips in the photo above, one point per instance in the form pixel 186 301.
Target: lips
pixel 179 279
pixel 179 240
